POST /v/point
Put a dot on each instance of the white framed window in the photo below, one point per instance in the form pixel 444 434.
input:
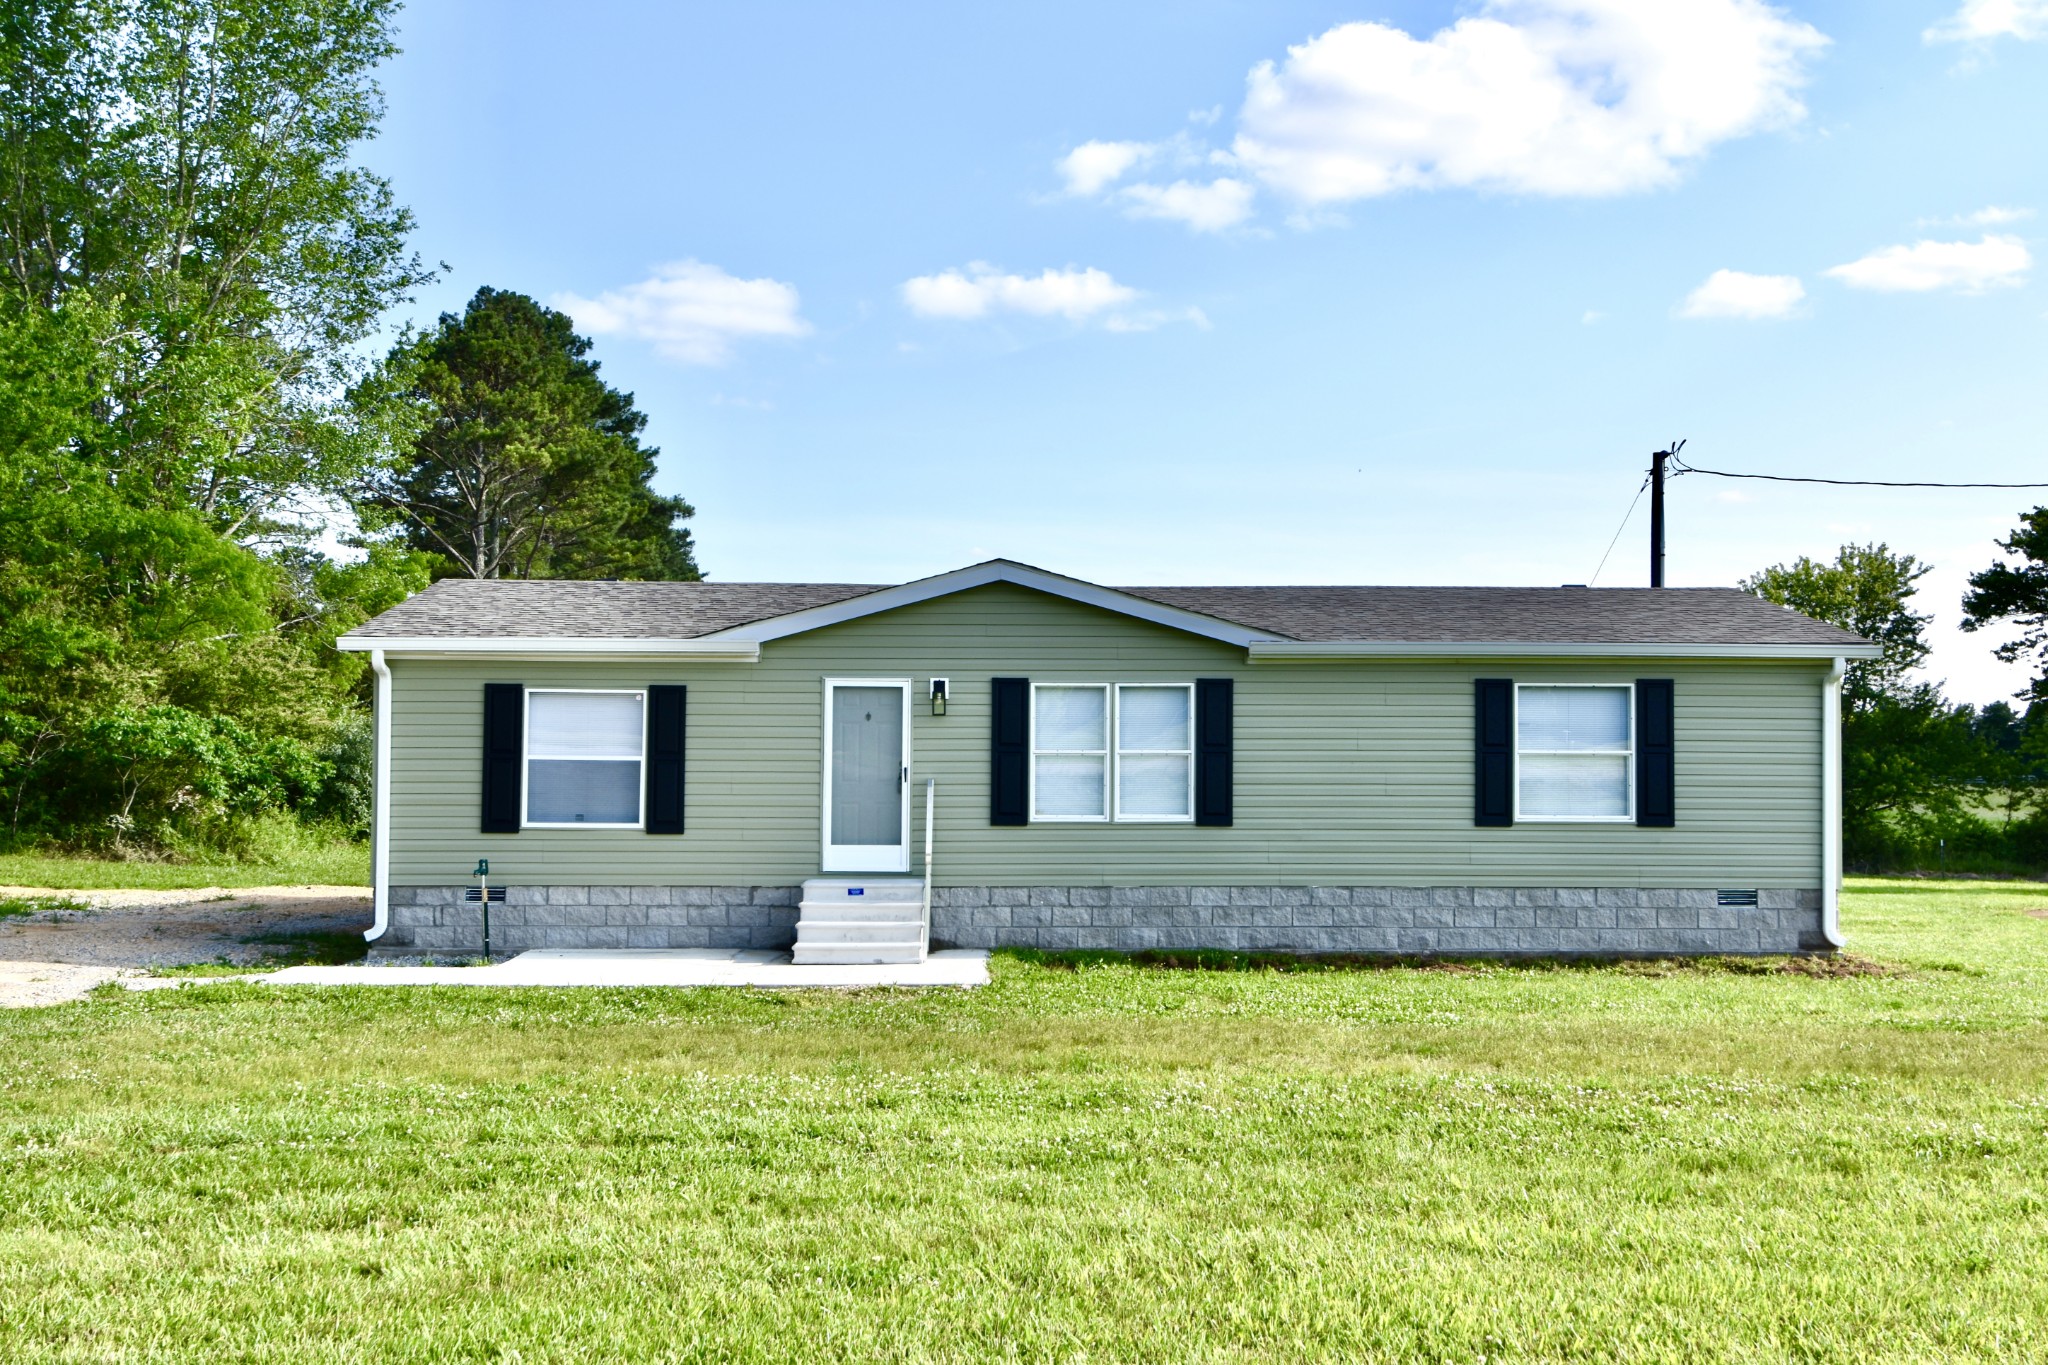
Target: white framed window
pixel 1070 751
pixel 1575 752
pixel 1155 751
pixel 585 757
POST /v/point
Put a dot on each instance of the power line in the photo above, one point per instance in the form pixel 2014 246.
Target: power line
pixel 1618 530
pixel 1684 468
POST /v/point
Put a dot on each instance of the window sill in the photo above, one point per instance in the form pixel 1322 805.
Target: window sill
pixel 584 824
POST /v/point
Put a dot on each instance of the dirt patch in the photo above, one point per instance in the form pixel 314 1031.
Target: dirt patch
pixel 2037 914
pixel 1836 965
pixel 121 932
pixel 24 984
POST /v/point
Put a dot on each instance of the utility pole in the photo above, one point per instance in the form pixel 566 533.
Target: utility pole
pixel 1657 511
pixel 1657 517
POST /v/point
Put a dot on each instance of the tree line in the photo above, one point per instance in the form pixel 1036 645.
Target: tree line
pixel 207 473
pixel 1927 783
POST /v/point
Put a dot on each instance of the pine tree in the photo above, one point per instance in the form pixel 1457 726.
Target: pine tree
pixel 522 462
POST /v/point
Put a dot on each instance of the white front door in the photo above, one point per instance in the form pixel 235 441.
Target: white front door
pixel 867 775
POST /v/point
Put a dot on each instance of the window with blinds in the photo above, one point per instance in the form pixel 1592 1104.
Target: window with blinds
pixel 583 758
pixel 1101 751
pixel 1155 752
pixel 1574 752
pixel 1070 752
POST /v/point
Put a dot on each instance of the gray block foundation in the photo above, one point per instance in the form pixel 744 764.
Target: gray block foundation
pixel 1405 920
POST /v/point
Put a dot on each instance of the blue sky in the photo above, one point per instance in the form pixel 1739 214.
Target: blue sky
pixel 1266 292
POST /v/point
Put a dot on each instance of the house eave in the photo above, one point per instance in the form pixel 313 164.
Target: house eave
pixel 550 647
pixel 1276 651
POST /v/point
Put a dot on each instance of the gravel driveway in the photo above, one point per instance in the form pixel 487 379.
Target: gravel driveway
pixel 53 956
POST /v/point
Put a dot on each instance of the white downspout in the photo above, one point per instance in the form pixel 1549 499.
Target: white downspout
pixel 380 810
pixel 1831 805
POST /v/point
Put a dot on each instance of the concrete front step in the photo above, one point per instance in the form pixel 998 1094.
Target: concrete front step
pixel 860 912
pixel 851 920
pixel 823 954
pixel 864 890
pixel 858 931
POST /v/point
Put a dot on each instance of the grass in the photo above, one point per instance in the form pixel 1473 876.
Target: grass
pixel 1095 1160
pixel 315 949
pixel 12 907
pixel 323 864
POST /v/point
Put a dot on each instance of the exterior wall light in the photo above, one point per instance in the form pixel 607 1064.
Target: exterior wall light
pixel 938 696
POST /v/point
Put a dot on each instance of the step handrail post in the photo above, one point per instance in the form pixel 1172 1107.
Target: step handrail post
pixel 931 791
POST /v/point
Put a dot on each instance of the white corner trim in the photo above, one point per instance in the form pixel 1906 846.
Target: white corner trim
pixel 1831 805
pixel 380 799
pixel 552 646
pixel 1273 651
pixel 979 575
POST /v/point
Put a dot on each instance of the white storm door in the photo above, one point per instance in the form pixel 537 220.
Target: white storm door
pixel 867 775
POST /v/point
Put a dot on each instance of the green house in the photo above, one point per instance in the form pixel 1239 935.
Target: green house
pixel 1006 756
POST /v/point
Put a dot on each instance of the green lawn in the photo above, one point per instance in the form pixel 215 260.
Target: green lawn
pixel 1499 1164
pixel 319 864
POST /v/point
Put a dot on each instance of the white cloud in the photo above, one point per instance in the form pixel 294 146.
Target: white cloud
pixel 1222 203
pixel 1970 267
pixel 1093 167
pixel 1554 97
pixel 690 311
pixel 1075 294
pixel 1093 170
pixel 1735 294
pixel 1986 217
pixel 1981 20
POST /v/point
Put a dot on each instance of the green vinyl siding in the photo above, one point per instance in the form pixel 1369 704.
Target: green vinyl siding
pixel 1348 772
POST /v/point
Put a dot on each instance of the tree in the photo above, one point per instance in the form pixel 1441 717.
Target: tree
pixel 1865 591
pixel 2011 755
pixel 2017 593
pixel 190 257
pixel 188 166
pixel 523 462
pixel 1904 748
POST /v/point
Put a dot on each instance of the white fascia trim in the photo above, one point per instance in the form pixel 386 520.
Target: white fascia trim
pixel 549 646
pixel 978 575
pixel 1267 651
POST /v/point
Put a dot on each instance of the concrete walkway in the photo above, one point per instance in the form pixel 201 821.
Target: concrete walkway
pixel 674 967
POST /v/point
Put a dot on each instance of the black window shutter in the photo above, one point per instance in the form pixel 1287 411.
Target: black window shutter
pixel 1009 757
pixel 504 738
pixel 1656 768
pixel 1215 747
pixel 667 716
pixel 1493 787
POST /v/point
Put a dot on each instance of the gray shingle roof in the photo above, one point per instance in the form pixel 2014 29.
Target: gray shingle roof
pixel 485 608
pixel 1695 616
pixel 474 609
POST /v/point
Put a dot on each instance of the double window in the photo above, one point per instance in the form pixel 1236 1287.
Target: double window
pixel 1103 751
pixel 1575 752
pixel 584 757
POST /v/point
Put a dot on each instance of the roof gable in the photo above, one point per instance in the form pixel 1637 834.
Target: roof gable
pixel 1167 614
